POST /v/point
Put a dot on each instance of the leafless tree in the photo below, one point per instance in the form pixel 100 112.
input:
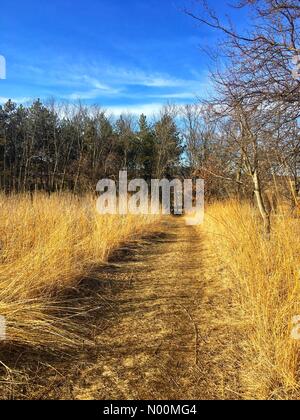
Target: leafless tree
pixel 256 89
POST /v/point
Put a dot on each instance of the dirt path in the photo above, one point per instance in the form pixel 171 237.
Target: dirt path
pixel 147 331
pixel 150 347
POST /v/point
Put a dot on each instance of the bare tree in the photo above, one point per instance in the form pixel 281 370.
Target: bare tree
pixel 258 84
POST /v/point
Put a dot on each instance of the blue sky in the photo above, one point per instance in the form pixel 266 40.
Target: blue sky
pixel 122 54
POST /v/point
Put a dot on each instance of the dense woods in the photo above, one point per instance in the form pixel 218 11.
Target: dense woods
pixel 55 149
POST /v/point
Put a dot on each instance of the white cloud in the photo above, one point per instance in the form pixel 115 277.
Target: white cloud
pixel 111 79
pixel 138 109
pixel 96 83
pixel 140 77
pixel 3 100
pixel 90 94
pixel 100 81
pixel 176 95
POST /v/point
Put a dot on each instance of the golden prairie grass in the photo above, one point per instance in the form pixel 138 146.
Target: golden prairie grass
pixel 263 280
pixel 48 244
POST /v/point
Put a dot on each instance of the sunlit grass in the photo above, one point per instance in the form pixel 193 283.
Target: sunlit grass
pixel 264 280
pixel 48 244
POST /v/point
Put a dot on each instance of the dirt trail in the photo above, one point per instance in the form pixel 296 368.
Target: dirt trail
pixel 151 345
pixel 147 333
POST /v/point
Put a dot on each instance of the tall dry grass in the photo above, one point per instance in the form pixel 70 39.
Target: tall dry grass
pixel 263 279
pixel 47 245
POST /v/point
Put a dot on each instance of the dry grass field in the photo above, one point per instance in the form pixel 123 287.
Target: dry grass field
pixel 204 312
pixel 47 245
pixel 260 279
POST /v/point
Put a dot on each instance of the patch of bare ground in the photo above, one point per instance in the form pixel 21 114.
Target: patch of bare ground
pixel 157 331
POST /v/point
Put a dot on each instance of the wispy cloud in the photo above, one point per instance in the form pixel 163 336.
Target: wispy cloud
pixel 136 84
pixel 175 95
pixel 101 82
pixel 140 77
pixel 21 100
pixel 138 109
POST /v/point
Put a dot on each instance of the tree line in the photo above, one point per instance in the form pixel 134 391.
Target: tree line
pixel 71 148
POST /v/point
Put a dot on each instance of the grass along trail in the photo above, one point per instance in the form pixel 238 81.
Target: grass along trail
pixel 146 328
pixel 174 315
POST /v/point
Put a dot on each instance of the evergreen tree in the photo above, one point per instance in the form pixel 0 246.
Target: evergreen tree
pixel 146 149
